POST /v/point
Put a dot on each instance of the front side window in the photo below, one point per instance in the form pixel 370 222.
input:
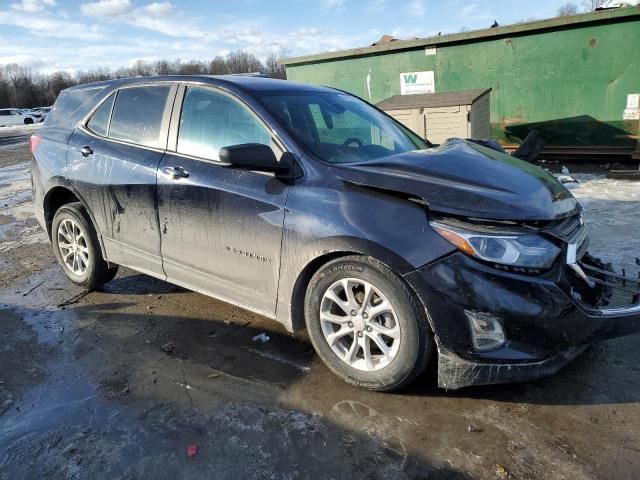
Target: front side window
pixel 340 128
pixel 137 115
pixel 210 121
pixel 99 122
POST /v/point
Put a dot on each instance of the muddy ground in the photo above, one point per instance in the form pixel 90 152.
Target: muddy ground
pixel 119 382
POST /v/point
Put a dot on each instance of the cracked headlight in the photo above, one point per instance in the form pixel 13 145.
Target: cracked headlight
pixel 524 250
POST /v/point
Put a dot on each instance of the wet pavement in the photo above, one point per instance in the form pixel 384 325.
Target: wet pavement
pixel 119 382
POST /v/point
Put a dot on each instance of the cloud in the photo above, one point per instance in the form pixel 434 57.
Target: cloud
pixel 153 16
pixel 32 6
pixel 50 26
pixel 51 36
pixel 417 7
pixel 106 8
pixel 158 8
pixel 469 9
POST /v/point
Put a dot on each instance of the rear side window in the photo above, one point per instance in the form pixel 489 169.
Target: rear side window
pixel 99 122
pixel 210 121
pixel 137 115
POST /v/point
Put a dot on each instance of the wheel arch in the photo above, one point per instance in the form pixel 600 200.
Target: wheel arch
pixel 61 195
pixel 340 247
pixel 299 290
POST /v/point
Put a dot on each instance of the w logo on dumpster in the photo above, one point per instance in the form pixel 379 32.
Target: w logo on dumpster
pixel 417 82
pixel 410 78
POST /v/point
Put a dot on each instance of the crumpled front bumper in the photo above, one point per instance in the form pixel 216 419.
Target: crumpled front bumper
pixel 545 326
pixel 455 372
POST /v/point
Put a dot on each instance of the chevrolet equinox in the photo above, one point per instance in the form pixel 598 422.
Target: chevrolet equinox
pixel 312 207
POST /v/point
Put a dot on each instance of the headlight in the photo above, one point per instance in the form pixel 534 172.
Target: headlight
pixel 515 249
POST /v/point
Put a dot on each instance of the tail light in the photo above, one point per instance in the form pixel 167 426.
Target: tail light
pixel 34 142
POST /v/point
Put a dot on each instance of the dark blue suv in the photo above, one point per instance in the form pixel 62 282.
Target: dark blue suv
pixel 310 206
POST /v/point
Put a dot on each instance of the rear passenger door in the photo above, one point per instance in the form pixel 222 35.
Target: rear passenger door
pixel 221 227
pixel 113 161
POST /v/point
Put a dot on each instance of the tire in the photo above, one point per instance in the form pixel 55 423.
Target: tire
pixel 404 318
pixel 28 121
pixel 88 269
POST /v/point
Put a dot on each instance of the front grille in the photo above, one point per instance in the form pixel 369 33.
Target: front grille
pixel 566 228
pixel 572 234
pixel 602 287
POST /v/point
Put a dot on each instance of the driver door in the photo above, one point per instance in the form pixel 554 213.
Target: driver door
pixel 221 228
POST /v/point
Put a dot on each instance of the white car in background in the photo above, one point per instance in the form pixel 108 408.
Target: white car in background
pixel 15 116
pixel 42 111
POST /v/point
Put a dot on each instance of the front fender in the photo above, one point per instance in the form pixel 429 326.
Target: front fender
pixel 323 222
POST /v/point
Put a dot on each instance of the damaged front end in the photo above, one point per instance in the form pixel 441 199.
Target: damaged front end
pixel 519 297
pixel 519 300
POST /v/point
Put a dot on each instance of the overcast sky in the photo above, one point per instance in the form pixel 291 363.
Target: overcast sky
pixel 51 35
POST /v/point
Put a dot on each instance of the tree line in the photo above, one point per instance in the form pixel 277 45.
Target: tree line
pixel 21 87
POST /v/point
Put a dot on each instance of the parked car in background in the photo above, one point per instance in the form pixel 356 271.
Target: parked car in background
pixel 312 207
pixel 15 116
pixel 42 111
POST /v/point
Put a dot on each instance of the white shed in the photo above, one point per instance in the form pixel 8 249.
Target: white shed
pixel 443 115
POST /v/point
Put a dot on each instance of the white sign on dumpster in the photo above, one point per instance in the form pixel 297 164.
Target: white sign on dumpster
pixel 632 112
pixel 412 83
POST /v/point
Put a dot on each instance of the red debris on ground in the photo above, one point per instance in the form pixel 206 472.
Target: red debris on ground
pixel 192 450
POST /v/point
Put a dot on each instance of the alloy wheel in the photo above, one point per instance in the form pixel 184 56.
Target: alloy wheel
pixel 360 324
pixel 73 247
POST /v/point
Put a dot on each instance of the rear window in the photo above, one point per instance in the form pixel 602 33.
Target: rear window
pixel 99 122
pixel 72 105
pixel 137 115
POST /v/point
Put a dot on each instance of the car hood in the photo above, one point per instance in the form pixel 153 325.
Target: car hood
pixel 463 178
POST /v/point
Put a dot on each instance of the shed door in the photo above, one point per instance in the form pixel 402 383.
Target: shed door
pixel 446 122
pixel 410 118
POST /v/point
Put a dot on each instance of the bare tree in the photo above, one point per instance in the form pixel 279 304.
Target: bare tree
pixel 53 85
pixel 591 5
pixel 192 67
pixel 162 67
pixel 218 66
pixel 141 69
pixel 273 68
pixel 22 88
pixel 97 75
pixel 243 62
pixel 568 9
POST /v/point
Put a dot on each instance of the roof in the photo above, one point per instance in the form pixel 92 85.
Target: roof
pixel 430 100
pixel 575 21
pixel 248 82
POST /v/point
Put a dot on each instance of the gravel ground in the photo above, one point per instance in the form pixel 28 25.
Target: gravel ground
pixel 119 382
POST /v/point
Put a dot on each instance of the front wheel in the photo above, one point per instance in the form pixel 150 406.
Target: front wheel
pixel 366 324
pixel 76 247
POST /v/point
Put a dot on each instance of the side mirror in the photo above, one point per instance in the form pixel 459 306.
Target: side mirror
pixel 253 156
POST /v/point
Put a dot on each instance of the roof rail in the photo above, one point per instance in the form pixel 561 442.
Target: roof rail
pixel 250 74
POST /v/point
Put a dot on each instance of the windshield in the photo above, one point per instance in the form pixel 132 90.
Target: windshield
pixel 340 128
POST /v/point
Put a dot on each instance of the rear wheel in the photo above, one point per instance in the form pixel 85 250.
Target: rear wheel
pixel 76 247
pixel 366 324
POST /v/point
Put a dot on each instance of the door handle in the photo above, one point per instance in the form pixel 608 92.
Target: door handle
pixel 175 172
pixel 86 151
